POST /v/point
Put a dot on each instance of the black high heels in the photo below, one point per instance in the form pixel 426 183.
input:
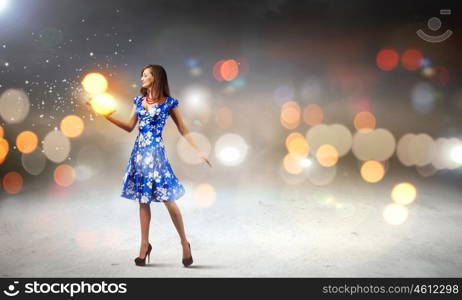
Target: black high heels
pixel 142 261
pixel 188 261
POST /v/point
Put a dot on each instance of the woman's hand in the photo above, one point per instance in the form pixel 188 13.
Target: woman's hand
pixel 88 103
pixel 109 113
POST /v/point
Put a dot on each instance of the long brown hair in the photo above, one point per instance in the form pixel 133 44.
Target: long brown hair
pixel 160 87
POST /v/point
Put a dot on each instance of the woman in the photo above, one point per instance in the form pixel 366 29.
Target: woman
pixel 148 175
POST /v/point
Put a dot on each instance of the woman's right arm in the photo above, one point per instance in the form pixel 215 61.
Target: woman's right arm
pixel 128 126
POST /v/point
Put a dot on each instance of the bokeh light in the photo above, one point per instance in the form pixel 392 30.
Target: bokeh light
pixel 372 171
pixel 12 182
pixel 216 70
pixel 290 115
pixel 378 144
pixel 417 150
pixel 14 106
pixel 72 126
pixel 443 158
pixel 395 214
pixel 387 59
pixel 204 195
pixel 103 103
pixel 428 72
pixel 95 83
pixel 404 150
pixel 364 121
pixel 292 136
pixel 337 135
pixel 411 59
pixel 56 146
pixel 292 164
pixel 26 141
pixel 290 171
pixel 231 149
pixel 456 154
pixel 297 145
pixel 3 4
pixel 327 155
pixel 4 149
pixel 229 69
pixel 313 114
pixel 423 149
pixel 34 163
pixel 196 103
pixel 64 175
pixel 404 193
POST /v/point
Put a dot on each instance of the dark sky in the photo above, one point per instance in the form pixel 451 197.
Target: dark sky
pixel 45 42
pixel 170 31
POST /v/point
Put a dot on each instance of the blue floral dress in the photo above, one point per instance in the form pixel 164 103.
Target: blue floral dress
pixel 148 175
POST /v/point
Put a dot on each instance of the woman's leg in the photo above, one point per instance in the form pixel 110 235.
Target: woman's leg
pixel 175 215
pixel 145 219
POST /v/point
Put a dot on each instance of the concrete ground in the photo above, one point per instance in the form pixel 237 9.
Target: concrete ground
pixel 258 227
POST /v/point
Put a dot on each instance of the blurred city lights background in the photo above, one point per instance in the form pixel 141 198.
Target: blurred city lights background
pixel 298 97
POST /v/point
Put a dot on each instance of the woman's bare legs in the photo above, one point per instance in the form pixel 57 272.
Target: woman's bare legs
pixel 175 215
pixel 145 219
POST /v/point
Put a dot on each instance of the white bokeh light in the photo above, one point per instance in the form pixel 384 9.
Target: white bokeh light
pixel 456 154
pixel 231 149
pixel 3 4
pixel 14 105
pixel 306 162
pixel 56 146
pixel 395 214
pixel 195 96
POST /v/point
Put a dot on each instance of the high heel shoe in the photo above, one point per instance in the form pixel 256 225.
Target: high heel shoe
pixel 188 261
pixel 142 261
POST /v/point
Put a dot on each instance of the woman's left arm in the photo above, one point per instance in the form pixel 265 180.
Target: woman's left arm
pixel 184 131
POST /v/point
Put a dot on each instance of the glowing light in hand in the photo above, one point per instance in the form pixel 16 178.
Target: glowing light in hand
pixel 103 103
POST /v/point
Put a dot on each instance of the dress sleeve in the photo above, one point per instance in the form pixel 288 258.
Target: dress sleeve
pixel 174 103
pixel 135 100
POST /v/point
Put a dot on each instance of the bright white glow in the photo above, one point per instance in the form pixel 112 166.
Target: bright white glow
pixel 306 162
pixel 195 97
pixel 456 154
pixel 395 214
pixel 229 155
pixel 231 149
pixel 3 4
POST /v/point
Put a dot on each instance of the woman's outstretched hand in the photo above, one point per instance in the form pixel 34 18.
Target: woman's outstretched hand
pixel 88 103
pixel 109 113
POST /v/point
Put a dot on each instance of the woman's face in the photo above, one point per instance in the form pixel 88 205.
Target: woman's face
pixel 147 79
